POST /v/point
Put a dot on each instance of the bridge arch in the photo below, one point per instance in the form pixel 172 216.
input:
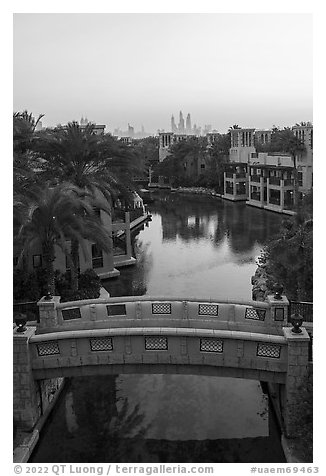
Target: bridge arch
pixel 159 335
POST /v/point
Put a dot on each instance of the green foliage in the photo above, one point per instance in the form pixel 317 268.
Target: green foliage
pixel 89 286
pixel 96 169
pixel 289 255
pixel 29 286
pixel 146 151
pixel 181 166
pixel 32 286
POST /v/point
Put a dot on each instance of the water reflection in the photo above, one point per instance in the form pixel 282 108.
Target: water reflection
pixel 197 246
pixel 160 418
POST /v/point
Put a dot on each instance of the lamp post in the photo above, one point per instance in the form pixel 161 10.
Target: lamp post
pixel 20 321
pixel 278 289
pixel 48 295
pixel 296 321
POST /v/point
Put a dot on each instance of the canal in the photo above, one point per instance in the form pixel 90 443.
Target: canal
pixel 194 247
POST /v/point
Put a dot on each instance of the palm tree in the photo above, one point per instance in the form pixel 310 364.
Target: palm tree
pixel 218 154
pixel 51 216
pixel 98 165
pixel 24 125
pixel 91 162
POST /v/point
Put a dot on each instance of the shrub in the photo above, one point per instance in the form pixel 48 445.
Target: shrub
pixel 89 286
pixel 32 286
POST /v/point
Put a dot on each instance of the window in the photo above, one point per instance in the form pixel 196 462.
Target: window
pixel 37 261
pixel 97 257
pixel 202 166
pixel 300 179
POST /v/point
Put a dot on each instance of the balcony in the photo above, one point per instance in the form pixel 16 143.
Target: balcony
pixel 241 175
pixel 288 182
pixel 255 178
pixel 229 174
pixel 275 181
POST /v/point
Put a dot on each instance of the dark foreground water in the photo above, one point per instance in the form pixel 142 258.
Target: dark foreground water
pixel 193 247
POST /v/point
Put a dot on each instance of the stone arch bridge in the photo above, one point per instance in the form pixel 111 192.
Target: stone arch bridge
pixel 142 334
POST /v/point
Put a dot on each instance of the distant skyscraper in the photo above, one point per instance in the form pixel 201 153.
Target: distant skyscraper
pixel 131 131
pixel 173 125
pixel 181 127
pixel 188 124
pixel 84 121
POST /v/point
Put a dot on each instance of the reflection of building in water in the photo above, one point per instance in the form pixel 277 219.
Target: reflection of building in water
pixel 183 219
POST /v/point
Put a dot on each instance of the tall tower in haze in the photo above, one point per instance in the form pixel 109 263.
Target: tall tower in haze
pixel 181 127
pixel 173 125
pixel 188 124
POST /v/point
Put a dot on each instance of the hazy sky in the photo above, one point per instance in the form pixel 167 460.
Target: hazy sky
pixel 249 69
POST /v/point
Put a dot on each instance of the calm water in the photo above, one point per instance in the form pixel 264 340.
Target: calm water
pixel 193 247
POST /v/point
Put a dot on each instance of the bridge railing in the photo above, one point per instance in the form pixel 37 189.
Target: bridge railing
pixel 262 356
pixel 163 311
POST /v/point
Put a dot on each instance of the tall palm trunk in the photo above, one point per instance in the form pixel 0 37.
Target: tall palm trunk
pixel 49 257
pixel 74 253
pixel 296 182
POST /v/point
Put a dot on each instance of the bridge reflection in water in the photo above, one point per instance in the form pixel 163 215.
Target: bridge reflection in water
pixel 155 418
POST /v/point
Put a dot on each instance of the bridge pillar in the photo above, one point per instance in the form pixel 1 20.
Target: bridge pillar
pixel 48 312
pixel 296 380
pixel 279 309
pixel 25 393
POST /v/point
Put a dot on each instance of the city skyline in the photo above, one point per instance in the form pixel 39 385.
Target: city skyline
pixel 124 68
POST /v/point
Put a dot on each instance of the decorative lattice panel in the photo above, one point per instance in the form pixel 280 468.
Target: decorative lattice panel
pixel 208 344
pixel 268 350
pixel 255 314
pixel 156 343
pixel 71 313
pixel 101 344
pixel 50 347
pixel 161 308
pixel 116 309
pixel 207 309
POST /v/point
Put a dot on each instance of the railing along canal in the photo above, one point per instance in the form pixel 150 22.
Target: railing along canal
pixel 29 308
pixel 305 309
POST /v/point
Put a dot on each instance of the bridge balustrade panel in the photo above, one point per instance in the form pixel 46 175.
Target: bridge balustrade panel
pixel 239 354
pixel 137 311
